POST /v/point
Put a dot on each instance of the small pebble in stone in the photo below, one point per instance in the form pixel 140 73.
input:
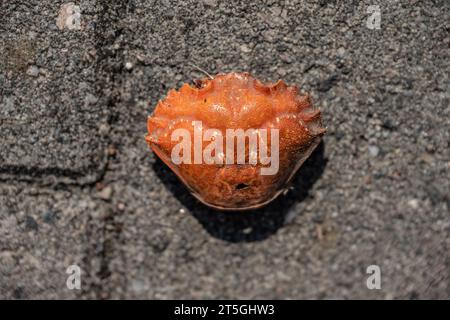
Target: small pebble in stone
pixel 104 129
pixel 247 230
pixel 413 203
pixel 290 217
pixel 90 99
pixel 282 72
pixel 244 48
pixel 374 150
pixel 211 3
pixel 105 193
pixel 69 17
pixel 33 71
pixel 318 218
pixel 426 158
pixel 49 217
pixel 128 66
pixel 8 262
pixel 30 223
pixel 341 52
pixel 112 151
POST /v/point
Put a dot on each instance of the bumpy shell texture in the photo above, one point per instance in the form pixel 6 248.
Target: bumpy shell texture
pixel 237 101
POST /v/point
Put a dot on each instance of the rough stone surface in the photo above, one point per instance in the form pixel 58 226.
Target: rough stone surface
pixel 49 79
pixel 73 117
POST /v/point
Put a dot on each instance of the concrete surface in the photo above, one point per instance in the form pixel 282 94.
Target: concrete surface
pixel 78 184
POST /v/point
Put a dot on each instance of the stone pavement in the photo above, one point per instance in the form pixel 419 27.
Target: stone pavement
pixel 78 184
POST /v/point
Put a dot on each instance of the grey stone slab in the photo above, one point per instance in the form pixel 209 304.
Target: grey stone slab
pixel 53 113
pixel 43 232
pixel 350 207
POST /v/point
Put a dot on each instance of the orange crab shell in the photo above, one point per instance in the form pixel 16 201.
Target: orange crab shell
pixel 237 101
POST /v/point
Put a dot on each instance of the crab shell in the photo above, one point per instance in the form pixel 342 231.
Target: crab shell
pixel 237 101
